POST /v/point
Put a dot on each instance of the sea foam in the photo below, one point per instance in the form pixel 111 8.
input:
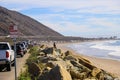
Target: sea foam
pixel 102 49
pixel 109 45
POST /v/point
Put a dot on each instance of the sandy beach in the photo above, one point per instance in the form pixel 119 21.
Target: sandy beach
pixel 112 66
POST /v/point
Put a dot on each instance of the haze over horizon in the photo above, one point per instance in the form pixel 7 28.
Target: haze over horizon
pixel 89 18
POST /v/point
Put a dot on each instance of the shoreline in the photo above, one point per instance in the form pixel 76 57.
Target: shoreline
pixel 109 65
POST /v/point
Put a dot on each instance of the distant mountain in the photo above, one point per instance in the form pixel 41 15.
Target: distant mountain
pixel 26 25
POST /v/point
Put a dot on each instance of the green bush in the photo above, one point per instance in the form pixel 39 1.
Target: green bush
pixel 34 50
pixel 32 58
pixel 33 54
pixel 24 75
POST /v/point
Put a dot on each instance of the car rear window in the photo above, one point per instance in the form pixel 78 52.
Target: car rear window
pixel 4 47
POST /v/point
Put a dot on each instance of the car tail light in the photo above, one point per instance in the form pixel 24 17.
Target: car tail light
pixel 7 54
pixel 20 51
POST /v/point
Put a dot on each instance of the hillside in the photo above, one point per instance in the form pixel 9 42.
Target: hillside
pixel 26 25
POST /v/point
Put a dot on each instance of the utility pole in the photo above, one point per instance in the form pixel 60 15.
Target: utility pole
pixel 15 58
pixel 13 34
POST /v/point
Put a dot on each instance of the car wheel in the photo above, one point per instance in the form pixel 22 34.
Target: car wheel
pixel 13 64
pixel 9 67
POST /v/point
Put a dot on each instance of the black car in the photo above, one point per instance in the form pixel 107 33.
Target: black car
pixel 25 43
pixel 23 47
pixel 20 50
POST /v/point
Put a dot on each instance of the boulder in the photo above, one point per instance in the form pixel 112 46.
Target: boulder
pixel 59 73
pixel 41 54
pixel 85 60
pixel 34 69
pixel 58 51
pixel 70 57
pixel 50 64
pixel 100 76
pixel 43 46
pixel 66 64
pixel 48 68
pixel 48 50
pixel 81 67
pixel 77 75
pixel 68 53
pixel 108 77
pixel 95 72
pixel 86 63
pixel 45 59
pixel 52 51
pixel 62 55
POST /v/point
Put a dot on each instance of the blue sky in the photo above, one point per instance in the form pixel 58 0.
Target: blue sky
pixel 86 18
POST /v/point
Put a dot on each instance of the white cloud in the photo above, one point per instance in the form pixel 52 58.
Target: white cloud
pixel 91 26
pixel 72 28
pixel 91 6
pixel 105 23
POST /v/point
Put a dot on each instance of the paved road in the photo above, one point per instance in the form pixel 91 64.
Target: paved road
pixel 5 75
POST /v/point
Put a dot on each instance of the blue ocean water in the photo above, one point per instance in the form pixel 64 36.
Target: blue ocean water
pixel 102 49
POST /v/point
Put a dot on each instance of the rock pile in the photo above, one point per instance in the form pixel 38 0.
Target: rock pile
pixel 65 66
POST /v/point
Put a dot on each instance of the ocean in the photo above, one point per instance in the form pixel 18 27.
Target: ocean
pixel 102 49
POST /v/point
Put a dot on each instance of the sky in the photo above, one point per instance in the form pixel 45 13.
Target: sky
pixel 82 18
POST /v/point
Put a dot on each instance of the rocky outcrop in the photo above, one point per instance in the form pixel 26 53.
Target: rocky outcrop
pixel 67 66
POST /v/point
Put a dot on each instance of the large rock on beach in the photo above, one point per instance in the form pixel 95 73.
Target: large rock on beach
pixel 95 72
pixel 81 67
pixel 78 75
pixel 43 47
pixel 56 73
pixel 34 69
pixel 46 59
pixel 53 51
pixel 59 73
pixel 68 53
pixel 66 64
pixel 49 50
pixel 86 63
pixel 70 57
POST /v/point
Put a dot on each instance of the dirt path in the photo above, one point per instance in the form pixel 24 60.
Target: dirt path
pixel 5 75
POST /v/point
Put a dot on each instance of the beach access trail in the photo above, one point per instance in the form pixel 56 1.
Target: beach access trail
pixel 112 66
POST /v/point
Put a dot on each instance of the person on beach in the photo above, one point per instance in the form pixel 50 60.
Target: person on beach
pixel 54 45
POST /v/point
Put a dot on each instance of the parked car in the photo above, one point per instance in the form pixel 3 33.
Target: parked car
pixel 19 50
pixel 25 43
pixel 6 55
pixel 23 46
